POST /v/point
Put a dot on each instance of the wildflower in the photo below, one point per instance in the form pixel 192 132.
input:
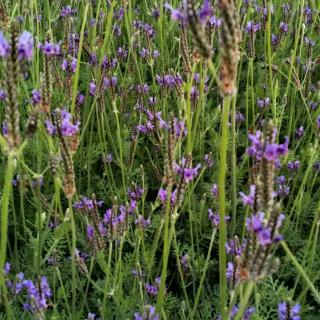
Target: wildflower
pixel 142 222
pixel 90 232
pixel 2 95
pixel 25 46
pixel 4 46
pixel 252 27
pixel 262 103
pixel 37 299
pixel 283 191
pixel 208 160
pixel 149 313
pixel 188 174
pixel 176 15
pixel 248 200
pixel 50 48
pixel 246 316
pixel 36 97
pixel 91 316
pixel 69 65
pixel 67 128
pixel 185 263
pixel 67 12
pixel 230 270
pixel 299 132
pixel 109 82
pixel 283 27
pixel 7 268
pixel 255 223
pixel 215 191
pixel 215 218
pixel 80 99
pixel 264 236
pixel 285 312
pixel 293 165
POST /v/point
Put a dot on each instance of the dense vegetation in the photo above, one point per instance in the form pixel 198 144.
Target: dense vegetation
pixel 160 160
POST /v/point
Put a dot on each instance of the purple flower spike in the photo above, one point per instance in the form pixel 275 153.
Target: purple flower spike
pixel 25 46
pixel 4 46
pixel 248 200
pixel 176 15
pixel 205 12
pixel 287 313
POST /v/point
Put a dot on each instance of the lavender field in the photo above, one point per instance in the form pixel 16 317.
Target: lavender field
pixel 160 159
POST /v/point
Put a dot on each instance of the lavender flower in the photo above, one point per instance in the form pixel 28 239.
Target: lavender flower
pixel 7 268
pixel 215 191
pixel 252 27
pixel 87 204
pixel 25 46
pixel 285 312
pixel 230 270
pixel 188 174
pixel 215 218
pixel 36 97
pixel 248 200
pixel 4 46
pixel 149 313
pixel 283 27
pixel 49 48
pixel 67 128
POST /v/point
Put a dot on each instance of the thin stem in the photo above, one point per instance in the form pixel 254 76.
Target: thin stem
pixel 222 204
pixel 203 274
pixel 4 227
pixel 244 301
pixel 300 270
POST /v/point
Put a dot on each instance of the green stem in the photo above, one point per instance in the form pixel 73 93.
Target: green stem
pixel 244 301
pixel 233 167
pixel 203 274
pixel 166 250
pixel 300 270
pixel 73 250
pixel 222 204
pixel 4 227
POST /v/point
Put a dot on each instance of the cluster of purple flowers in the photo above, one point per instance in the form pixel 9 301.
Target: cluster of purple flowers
pixel 283 188
pixel 86 204
pixel 142 222
pixel 163 196
pixel 204 14
pixel 188 174
pixel 37 294
pixel 249 312
pixel 153 289
pixel 69 65
pixel 24 46
pixel 263 102
pixel 248 200
pixel 154 120
pixel 252 27
pixel 259 225
pixel 215 218
pixel 67 12
pixel 149 313
pixel 146 28
pixel 50 48
pixel 294 165
pixel 67 128
pixel 36 97
pixel 270 151
pixel 286 312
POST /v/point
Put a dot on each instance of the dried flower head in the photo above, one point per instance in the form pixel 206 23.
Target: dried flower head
pixel 229 47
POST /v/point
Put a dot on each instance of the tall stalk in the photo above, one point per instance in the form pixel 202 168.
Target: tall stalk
pixel 9 173
pixel 222 203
